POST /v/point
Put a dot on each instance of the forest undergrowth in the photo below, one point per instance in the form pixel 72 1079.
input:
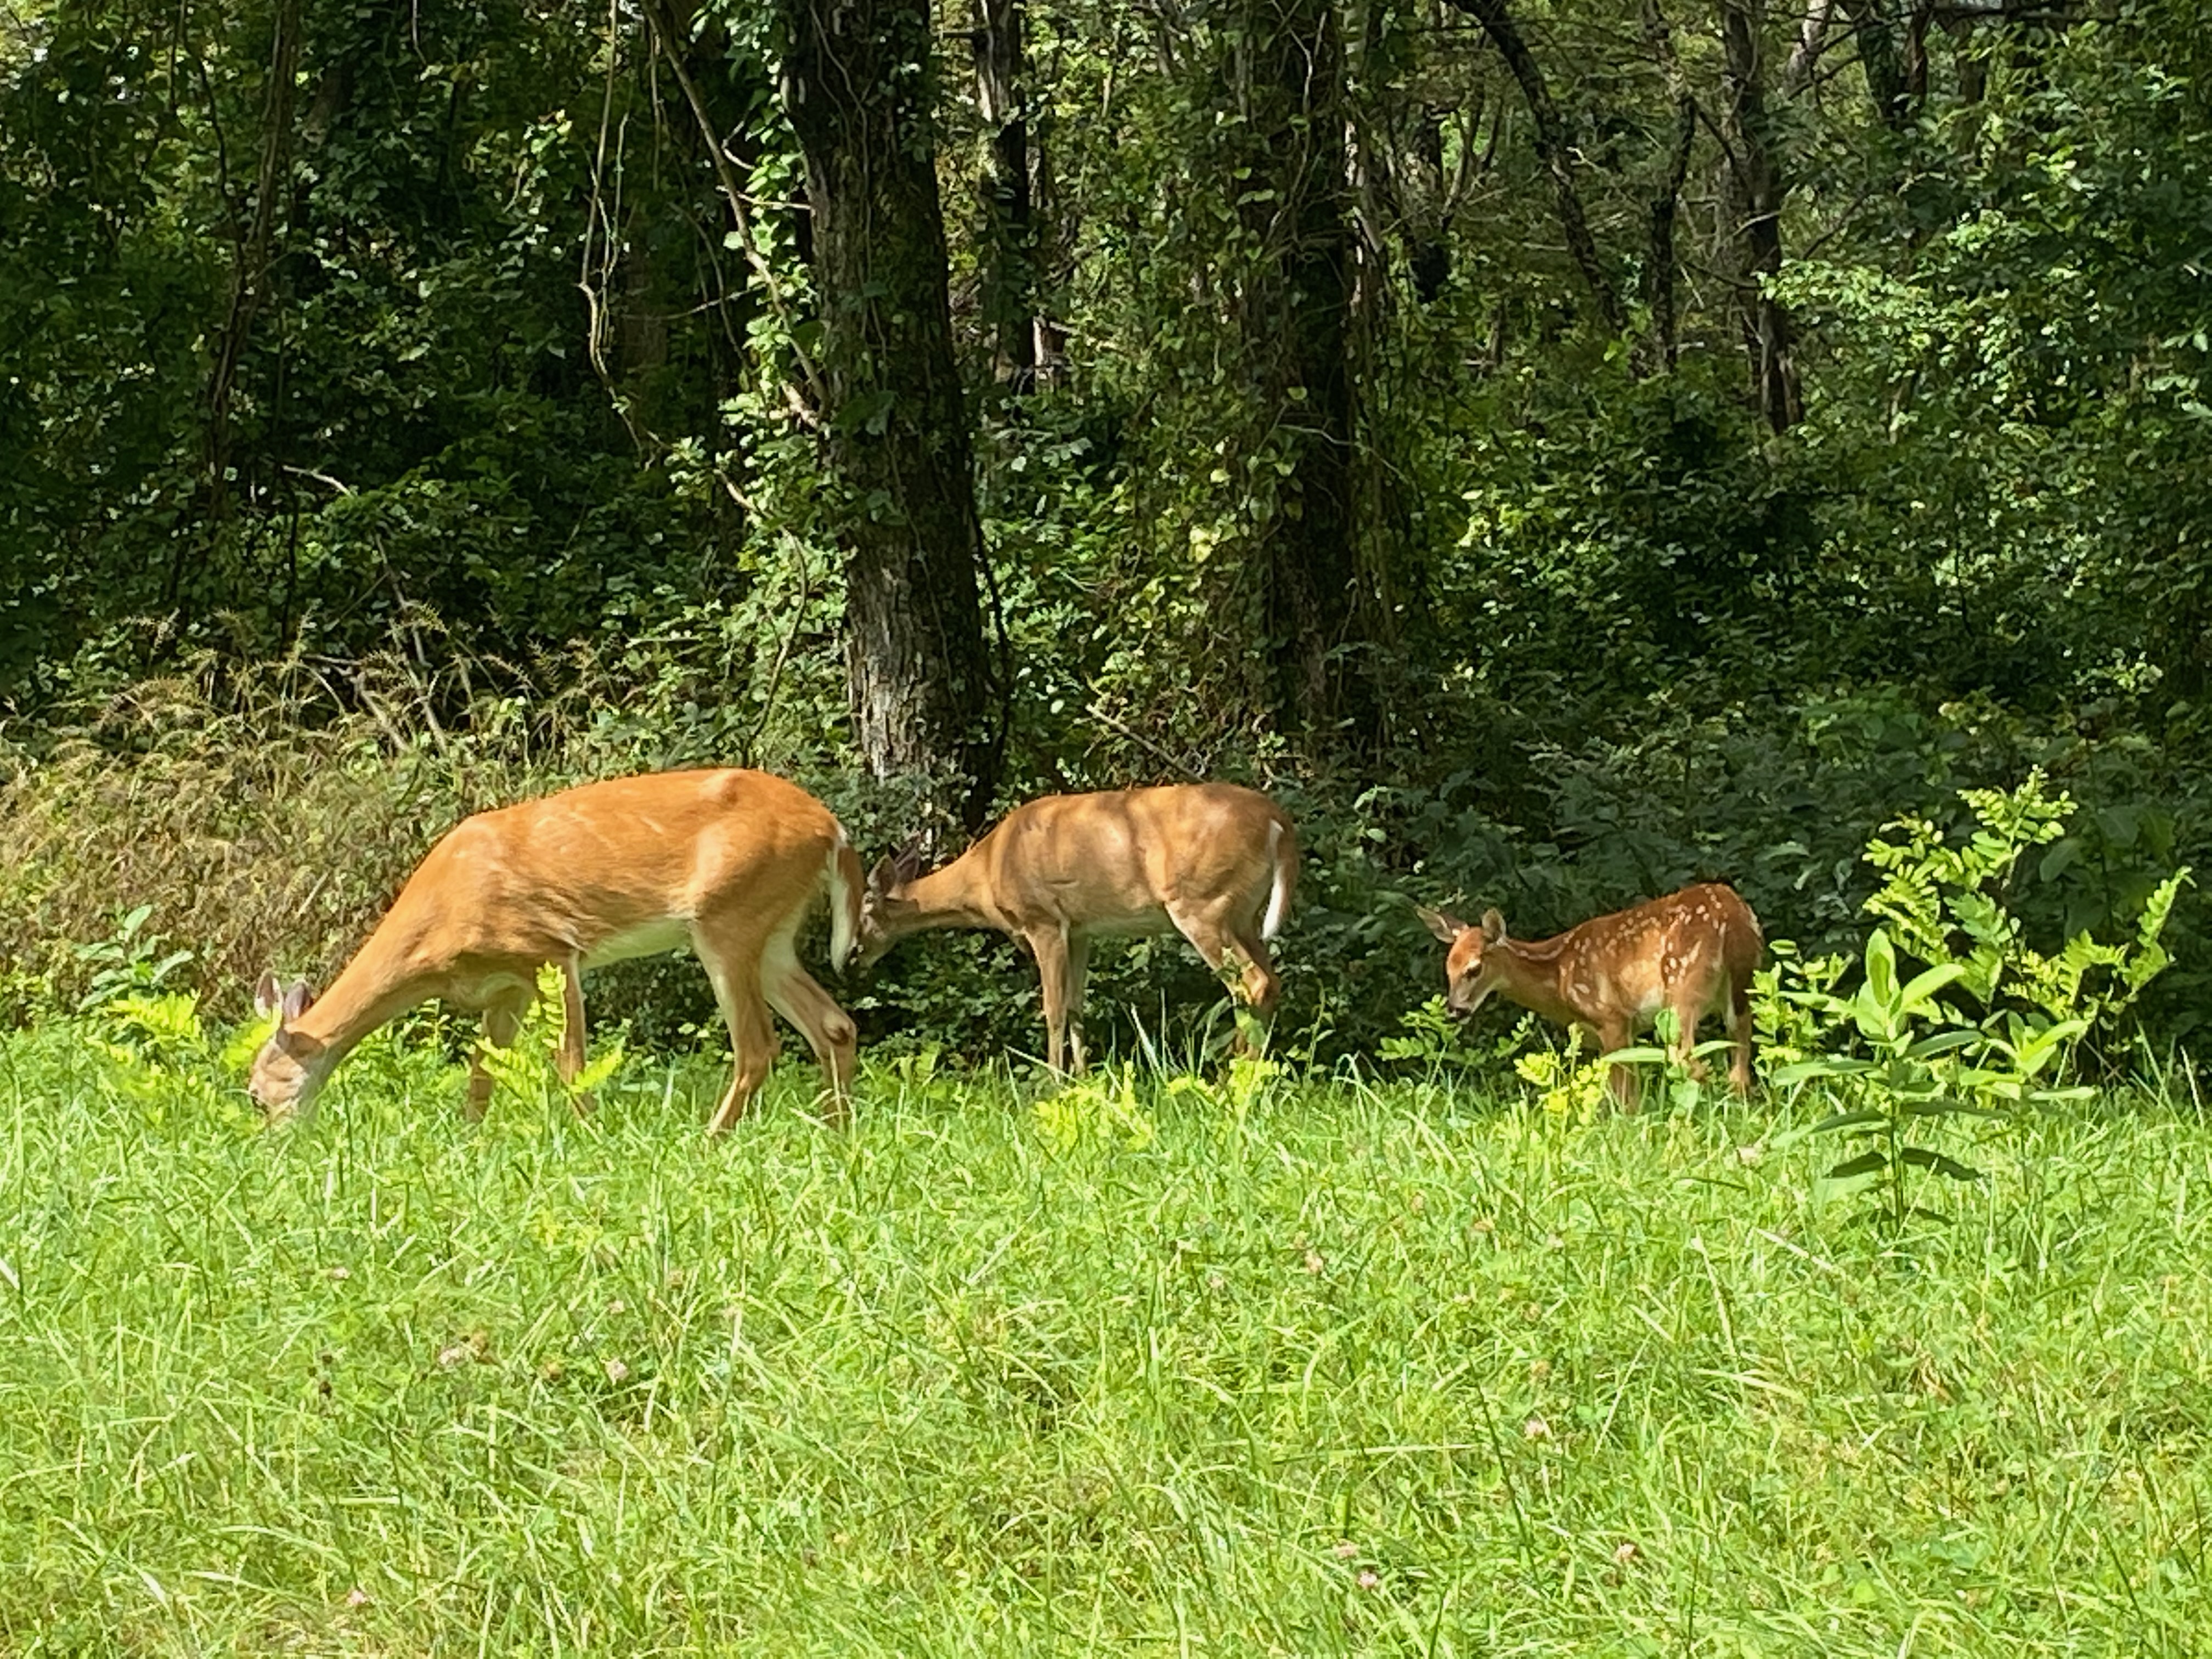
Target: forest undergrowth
pixel 211 826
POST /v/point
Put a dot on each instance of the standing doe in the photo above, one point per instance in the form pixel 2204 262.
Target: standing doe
pixel 1692 951
pixel 1211 861
pixel 727 862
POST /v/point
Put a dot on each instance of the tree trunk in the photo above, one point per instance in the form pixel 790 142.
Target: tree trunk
pixel 895 427
pixel 1295 315
pixel 1009 202
pixel 1882 64
pixel 1401 186
pixel 1755 196
pixel 1812 41
pixel 1553 148
pixel 1428 257
pixel 1660 353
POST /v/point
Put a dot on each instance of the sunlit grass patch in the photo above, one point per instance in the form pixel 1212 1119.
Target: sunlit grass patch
pixel 1306 1367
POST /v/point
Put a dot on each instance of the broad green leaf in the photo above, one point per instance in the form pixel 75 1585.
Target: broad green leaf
pixel 1924 986
pixel 1801 1070
pixel 1940 1162
pixel 1850 1119
pixel 1865 1164
pixel 1942 1043
pixel 1881 968
pixel 1948 1107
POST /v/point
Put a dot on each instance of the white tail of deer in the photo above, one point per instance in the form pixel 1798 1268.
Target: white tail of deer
pixel 727 862
pixel 1211 861
pixel 1692 951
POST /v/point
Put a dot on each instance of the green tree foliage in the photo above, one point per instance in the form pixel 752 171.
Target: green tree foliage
pixel 1563 449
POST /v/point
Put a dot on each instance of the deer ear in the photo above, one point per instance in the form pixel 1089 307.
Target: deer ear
pixel 1445 926
pixel 909 864
pixel 884 876
pixel 1493 927
pixel 288 1002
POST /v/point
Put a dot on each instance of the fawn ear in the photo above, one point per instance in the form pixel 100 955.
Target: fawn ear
pixel 1444 925
pixel 1493 927
pixel 266 994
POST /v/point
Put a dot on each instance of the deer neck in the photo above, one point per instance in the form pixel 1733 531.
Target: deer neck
pixel 374 987
pixel 1529 973
pixel 958 896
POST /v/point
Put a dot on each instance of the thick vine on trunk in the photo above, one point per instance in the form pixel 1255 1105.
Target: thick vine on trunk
pixel 1660 351
pixel 253 255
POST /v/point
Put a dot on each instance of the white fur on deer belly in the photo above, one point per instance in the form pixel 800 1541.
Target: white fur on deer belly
pixel 668 934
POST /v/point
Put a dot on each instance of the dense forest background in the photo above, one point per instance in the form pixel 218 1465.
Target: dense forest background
pixel 1561 448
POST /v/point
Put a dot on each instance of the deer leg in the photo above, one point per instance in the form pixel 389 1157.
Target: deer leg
pixel 1689 1012
pixel 1619 1080
pixel 733 964
pixel 752 1041
pixel 1213 937
pixel 1079 977
pixel 1048 945
pixel 503 1022
pixel 1738 1020
pixel 1262 988
pixel 570 1060
pixel 828 1029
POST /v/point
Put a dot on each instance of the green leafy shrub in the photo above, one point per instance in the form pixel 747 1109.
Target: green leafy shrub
pixel 1947 904
pixel 1987 1026
pixel 129 962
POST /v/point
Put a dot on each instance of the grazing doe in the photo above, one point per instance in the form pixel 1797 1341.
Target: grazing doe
pixel 729 862
pixel 1212 862
pixel 1692 951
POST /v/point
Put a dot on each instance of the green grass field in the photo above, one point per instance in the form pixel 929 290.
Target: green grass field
pixel 1325 1369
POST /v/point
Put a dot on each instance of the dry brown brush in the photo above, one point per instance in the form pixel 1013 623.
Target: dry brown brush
pixel 266 823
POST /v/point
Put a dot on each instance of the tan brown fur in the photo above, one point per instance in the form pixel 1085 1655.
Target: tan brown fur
pixel 1213 862
pixel 1693 952
pixel 727 862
